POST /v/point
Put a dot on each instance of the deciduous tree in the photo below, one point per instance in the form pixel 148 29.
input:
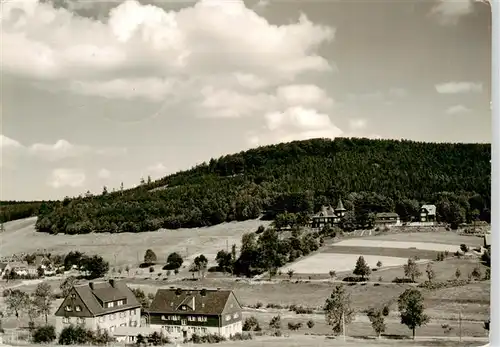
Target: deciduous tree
pixel 411 308
pixel 338 309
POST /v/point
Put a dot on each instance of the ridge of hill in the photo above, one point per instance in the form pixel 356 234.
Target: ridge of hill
pixel 369 176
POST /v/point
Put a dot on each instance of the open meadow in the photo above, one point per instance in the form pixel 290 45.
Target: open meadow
pixel 126 248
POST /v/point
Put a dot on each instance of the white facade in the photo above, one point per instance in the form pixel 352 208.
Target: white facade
pixel 109 322
pixel 181 331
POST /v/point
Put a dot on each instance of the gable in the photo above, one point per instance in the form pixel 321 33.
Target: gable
pixel 167 301
pixel 232 304
pixel 75 301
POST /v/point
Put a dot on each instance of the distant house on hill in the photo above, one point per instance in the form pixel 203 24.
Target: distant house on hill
pixel 99 306
pixel 180 313
pixel 428 213
pixel 328 216
pixel 387 218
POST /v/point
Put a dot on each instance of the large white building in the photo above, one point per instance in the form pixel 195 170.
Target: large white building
pixel 180 313
pixel 99 306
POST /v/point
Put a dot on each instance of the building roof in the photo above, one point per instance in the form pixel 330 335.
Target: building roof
pixel 340 206
pixel 431 209
pixel 93 294
pixel 387 215
pixel 213 302
pixel 326 211
pixel 3 266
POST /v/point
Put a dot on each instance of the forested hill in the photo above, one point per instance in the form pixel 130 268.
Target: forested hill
pixel 369 175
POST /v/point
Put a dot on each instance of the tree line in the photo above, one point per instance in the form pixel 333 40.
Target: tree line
pixel 299 177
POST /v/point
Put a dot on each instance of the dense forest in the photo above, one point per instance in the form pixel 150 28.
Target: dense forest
pixel 12 210
pixel 369 175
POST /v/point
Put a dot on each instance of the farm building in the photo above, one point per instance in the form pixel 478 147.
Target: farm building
pixel 387 218
pixel 179 313
pixel 328 215
pixel 428 213
pixel 99 306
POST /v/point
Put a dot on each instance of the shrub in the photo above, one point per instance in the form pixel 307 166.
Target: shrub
pixel 275 322
pixel 44 334
pixel 310 323
pixel 294 326
pixel 402 280
pixel 241 336
pixel 441 285
pixel 354 279
pixel 72 335
pixel 251 323
pixel 464 248
pixel 151 269
pixel 210 338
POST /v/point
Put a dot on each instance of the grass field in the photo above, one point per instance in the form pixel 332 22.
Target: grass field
pixel 381 243
pixel 126 248
pixel 322 263
pixel 442 237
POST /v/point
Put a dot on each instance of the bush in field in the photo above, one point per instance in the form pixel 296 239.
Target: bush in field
pixel 310 324
pixel 241 336
pixel 294 326
pixel 464 248
pixel 250 324
pixel 44 334
pixel 275 322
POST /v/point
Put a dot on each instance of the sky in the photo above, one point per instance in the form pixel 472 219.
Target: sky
pixel 96 93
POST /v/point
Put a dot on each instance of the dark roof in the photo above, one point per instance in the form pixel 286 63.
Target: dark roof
pixel 103 291
pixel 387 214
pixel 213 302
pixel 340 206
pixel 3 266
pixel 326 211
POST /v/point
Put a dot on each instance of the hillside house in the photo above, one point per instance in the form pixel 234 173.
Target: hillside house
pixel 99 306
pixel 179 313
pixel 428 213
pixel 387 218
pixel 21 268
pixel 328 216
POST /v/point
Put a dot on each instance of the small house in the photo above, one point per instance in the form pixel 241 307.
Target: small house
pixel 180 313
pixel 428 213
pixel 328 216
pixel 387 218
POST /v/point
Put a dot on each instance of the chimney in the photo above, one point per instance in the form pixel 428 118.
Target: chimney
pixel 194 303
pixel 112 282
pixel 91 285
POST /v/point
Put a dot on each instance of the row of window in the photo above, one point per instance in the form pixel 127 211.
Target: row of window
pixel 112 316
pixel 177 329
pixel 79 320
pixel 228 316
pixel 189 318
pixel 115 303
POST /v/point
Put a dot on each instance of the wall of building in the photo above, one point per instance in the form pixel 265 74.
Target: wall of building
pixel 107 322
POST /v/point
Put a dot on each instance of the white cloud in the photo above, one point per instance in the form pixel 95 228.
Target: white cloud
pixel 457 109
pixel 357 124
pixel 304 95
pixel 459 87
pixel 7 143
pixel 104 173
pixel 209 40
pixel 62 177
pixel 157 170
pixel 62 149
pixel 448 12
pixel 295 123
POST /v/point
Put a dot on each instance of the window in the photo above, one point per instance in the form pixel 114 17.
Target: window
pixel 192 319
pixel 132 312
pixel 184 322
pixel 112 316
pixel 204 330
pixel 80 320
pixel 66 320
pixel 102 319
pixel 133 323
pixel 228 317
pixel 119 303
pixel 68 308
pixel 123 314
pixel 111 304
pixel 78 308
pixel 235 315
pixel 183 308
pixel 73 296
pixel 202 319
pixel 123 324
